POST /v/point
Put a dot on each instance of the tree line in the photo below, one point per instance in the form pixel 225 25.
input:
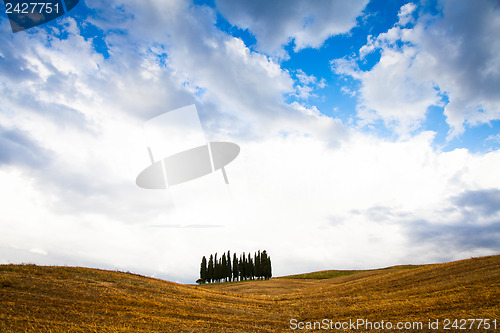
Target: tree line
pixel 218 269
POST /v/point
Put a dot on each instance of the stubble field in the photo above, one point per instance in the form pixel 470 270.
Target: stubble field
pixel 71 299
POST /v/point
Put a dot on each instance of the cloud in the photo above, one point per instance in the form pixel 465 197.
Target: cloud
pixel 459 230
pixel 466 61
pixel 493 138
pixel 13 65
pixel 406 14
pixel 393 90
pixel 485 201
pixel 17 148
pixel 420 65
pixel 448 240
pixel 466 224
pixel 306 85
pixel 42 81
pixel 231 83
pixel 276 23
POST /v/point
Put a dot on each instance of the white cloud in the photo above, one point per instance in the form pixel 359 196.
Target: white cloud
pixel 225 74
pixel 393 90
pixel 465 61
pixel 419 64
pixel 276 23
pixel 494 138
pixel 306 85
pixel 406 14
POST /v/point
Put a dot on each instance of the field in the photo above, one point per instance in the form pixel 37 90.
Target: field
pixel 69 299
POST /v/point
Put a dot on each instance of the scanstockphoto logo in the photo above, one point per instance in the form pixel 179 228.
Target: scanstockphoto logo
pixel 28 14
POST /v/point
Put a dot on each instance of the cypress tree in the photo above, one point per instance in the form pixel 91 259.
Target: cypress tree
pixel 249 267
pixel 203 270
pixel 228 267
pixel 256 260
pixel 243 275
pixel 219 275
pixel 216 268
pixel 269 270
pixel 223 267
pixel 235 268
pixel 266 265
pixel 210 269
pixel 261 263
pixel 220 270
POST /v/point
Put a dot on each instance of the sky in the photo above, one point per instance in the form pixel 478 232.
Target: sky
pixel 369 134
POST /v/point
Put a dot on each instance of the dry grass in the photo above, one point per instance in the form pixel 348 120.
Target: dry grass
pixel 65 299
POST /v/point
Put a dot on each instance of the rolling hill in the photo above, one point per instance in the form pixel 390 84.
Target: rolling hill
pixel 72 299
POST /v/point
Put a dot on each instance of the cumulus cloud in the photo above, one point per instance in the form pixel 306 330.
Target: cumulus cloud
pixel 231 82
pixel 393 90
pixel 276 23
pixel 421 64
pixel 406 14
pixel 466 61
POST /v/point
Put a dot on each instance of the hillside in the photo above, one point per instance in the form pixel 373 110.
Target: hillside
pixel 67 299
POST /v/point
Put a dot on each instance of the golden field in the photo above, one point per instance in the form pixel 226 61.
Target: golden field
pixel 71 299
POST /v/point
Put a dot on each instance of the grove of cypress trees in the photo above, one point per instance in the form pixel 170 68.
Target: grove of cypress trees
pixel 246 268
